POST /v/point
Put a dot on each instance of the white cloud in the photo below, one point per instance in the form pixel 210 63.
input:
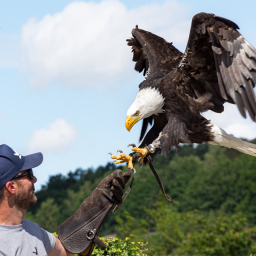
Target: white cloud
pixel 233 123
pixel 84 45
pixel 56 137
pixel 242 130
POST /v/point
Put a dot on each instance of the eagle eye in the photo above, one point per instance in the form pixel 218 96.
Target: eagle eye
pixel 137 113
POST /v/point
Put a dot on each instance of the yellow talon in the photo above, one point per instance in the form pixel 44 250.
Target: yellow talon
pixel 142 151
pixel 119 161
pixel 123 158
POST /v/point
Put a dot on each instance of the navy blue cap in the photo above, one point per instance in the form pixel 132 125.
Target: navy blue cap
pixel 11 163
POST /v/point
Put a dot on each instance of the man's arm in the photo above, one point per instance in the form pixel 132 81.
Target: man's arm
pixel 59 250
pixel 79 233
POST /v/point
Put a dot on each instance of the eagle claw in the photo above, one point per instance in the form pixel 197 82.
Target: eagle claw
pixel 123 158
pixel 131 145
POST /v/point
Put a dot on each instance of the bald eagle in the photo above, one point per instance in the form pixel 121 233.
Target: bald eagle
pixel 218 66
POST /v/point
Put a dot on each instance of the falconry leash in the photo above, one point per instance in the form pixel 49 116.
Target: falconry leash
pixel 130 187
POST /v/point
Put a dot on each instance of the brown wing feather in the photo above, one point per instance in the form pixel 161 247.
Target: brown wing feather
pixel 152 51
pixel 216 40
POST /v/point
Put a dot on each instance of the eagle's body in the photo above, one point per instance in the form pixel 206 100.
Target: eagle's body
pixel 218 66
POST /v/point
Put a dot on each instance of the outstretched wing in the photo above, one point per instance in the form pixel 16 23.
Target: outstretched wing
pixel 152 53
pixel 219 60
pixel 155 57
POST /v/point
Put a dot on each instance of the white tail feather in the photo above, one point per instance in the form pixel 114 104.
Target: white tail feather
pixel 223 139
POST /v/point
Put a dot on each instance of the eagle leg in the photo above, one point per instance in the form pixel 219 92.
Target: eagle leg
pixel 143 153
pixel 123 158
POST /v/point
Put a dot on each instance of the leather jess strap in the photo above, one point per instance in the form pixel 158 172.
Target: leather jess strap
pixel 159 181
pixel 97 241
pixel 130 187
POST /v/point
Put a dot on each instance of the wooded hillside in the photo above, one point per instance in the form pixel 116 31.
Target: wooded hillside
pixel 216 181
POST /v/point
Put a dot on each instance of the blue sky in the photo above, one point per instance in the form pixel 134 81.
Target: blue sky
pixel 67 78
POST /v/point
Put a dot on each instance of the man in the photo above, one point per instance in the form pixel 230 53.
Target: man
pixel 19 236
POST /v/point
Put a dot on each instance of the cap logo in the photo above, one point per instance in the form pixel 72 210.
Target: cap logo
pixel 17 154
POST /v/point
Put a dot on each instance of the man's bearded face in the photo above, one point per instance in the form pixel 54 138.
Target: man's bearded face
pixel 25 197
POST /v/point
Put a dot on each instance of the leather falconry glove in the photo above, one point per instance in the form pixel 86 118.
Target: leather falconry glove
pixel 78 233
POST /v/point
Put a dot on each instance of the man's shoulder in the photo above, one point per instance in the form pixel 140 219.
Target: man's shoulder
pixel 36 231
pixel 30 225
pixel 29 222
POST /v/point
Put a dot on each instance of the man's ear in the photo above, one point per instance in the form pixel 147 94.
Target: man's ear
pixel 9 186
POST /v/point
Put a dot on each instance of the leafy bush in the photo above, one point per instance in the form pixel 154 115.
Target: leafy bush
pixel 116 246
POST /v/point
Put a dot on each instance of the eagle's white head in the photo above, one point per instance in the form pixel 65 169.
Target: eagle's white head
pixel 148 102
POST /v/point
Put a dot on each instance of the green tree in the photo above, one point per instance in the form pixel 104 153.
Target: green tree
pixel 214 180
pixel 47 215
pixel 225 236
pixel 191 233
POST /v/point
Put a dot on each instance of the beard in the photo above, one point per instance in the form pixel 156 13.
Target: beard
pixel 25 199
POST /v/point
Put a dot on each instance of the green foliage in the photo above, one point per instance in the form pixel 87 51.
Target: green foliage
pixel 224 236
pixel 220 183
pixel 125 247
pixel 30 216
pixel 47 215
pixel 192 233
pixel 128 225
pixel 116 247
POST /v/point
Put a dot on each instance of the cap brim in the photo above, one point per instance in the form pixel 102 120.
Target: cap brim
pixel 32 161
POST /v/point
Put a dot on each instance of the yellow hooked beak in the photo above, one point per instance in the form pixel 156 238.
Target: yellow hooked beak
pixel 131 121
